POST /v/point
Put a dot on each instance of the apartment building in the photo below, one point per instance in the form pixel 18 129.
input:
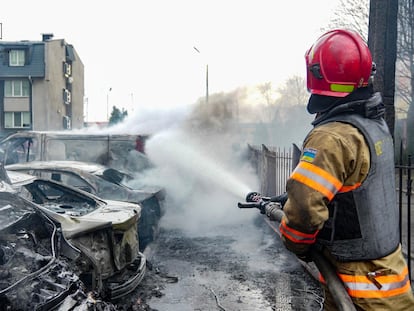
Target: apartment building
pixel 41 86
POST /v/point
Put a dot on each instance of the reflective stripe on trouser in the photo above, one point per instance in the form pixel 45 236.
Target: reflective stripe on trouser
pixel 381 286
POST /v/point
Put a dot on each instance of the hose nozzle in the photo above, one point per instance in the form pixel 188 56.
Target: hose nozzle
pixel 253 197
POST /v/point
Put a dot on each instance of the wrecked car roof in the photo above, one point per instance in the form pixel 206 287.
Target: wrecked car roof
pixel 20 179
pixel 81 167
pixel 76 133
pixel 59 164
pixel 117 211
pixel 12 208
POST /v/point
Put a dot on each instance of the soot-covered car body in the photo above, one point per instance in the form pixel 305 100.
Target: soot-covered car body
pixel 103 233
pixel 36 262
pixel 106 183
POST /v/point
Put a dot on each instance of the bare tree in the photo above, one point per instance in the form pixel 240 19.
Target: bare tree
pixel 266 90
pixel 376 17
pixel 351 14
pixel 405 46
pixel 293 92
pixel 405 67
pixel 220 112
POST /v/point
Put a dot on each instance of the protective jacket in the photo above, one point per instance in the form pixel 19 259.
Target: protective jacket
pixel 363 218
pixel 342 195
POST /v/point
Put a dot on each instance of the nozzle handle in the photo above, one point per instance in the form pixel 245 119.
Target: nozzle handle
pixel 248 205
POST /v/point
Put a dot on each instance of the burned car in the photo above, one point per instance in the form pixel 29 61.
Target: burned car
pixel 103 233
pixel 121 151
pixel 106 183
pixel 35 259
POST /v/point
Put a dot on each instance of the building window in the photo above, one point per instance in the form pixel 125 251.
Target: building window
pixel 16 88
pixel 20 119
pixel 16 57
pixel 66 96
pixel 67 69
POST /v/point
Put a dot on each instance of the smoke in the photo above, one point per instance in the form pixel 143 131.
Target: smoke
pixel 146 120
pixel 203 173
pixel 204 176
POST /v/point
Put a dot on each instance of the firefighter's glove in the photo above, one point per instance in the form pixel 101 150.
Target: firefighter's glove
pixel 258 199
pixel 262 206
pixel 302 251
pixel 281 199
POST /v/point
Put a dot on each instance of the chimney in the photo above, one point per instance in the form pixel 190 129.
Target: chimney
pixel 47 36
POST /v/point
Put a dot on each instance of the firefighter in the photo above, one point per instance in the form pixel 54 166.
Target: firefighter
pixel 341 195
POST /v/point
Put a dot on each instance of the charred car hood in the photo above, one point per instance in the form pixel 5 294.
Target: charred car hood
pixel 103 233
pixel 34 274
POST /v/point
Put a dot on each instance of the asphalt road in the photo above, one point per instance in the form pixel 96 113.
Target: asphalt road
pixel 232 267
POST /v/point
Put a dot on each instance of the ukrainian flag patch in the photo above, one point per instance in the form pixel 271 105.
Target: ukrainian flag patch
pixel 309 154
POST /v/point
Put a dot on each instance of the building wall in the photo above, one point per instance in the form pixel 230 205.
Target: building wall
pixel 48 106
pixel 48 100
pixel 45 70
pixel 17 104
pixel 78 92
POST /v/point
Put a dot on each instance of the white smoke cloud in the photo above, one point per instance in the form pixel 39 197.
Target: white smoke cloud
pixel 147 121
pixel 204 175
pixel 204 178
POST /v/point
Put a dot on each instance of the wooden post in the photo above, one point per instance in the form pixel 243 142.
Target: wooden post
pixel 382 41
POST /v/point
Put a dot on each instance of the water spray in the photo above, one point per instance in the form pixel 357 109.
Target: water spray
pixel 188 160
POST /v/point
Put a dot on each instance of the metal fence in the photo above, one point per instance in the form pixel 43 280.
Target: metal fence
pixel 404 178
pixel 274 165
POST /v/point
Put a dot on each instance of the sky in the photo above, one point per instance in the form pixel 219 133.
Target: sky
pixel 155 54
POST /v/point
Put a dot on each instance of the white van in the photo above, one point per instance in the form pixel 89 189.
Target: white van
pixel 117 151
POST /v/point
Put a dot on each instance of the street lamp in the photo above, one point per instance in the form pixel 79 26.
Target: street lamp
pixel 107 104
pixel 86 103
pixel 198 51
pixel 132 102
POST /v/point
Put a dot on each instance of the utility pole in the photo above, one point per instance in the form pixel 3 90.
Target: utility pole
pixel 198 51
pixel 206 84
pixel 107 103
pixel 382 41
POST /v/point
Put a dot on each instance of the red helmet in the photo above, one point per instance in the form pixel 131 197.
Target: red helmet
pixel 338 63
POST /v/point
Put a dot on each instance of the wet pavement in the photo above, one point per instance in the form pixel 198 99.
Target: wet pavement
pixel 239 267
pixel 207 261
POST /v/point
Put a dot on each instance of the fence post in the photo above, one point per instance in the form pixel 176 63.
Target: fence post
pixel 400 185
pixel 409 183
pixel 269 173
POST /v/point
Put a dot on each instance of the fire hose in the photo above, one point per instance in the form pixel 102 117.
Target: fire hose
pixel 333 282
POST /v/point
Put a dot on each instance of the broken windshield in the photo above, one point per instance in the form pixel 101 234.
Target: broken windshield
pixel 18 150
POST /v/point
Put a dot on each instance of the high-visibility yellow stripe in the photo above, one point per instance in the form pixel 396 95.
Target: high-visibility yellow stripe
pixel 316 178
pixel 342 88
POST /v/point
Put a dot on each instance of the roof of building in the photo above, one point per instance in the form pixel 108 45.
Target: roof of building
pixel 34 59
